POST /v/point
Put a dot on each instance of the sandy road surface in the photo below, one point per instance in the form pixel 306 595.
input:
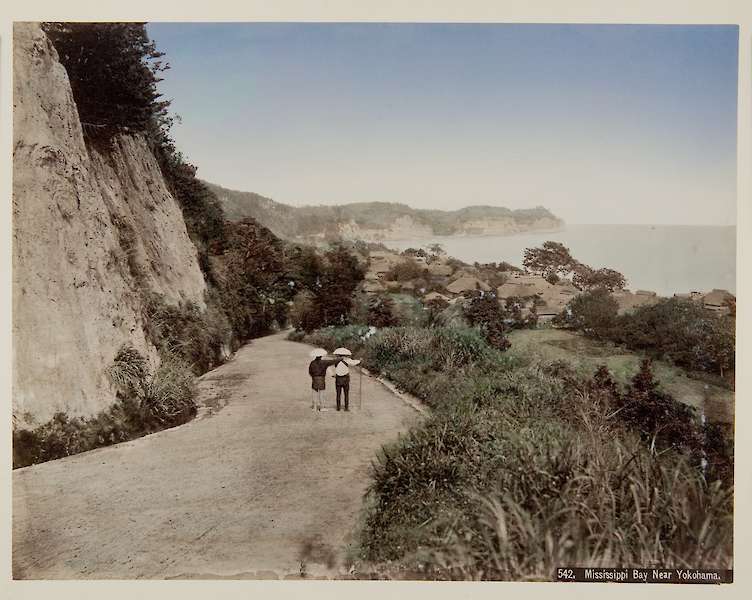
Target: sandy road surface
pixel 250 490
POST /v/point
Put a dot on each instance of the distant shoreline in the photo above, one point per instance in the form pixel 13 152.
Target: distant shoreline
pixel 667 259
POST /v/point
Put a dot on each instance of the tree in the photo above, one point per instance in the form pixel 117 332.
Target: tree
pixel 482 309
pixel 659 418
pixel 436 249
pixel 586 278
pixel 552 258
pixel 593 312
pixel 381 311
pixel 682 331
pixel 254 286
pixel 113 71
pixel 414 252
pixel 405 270
pixel 553 261
pixel 341 276
pixel 434 308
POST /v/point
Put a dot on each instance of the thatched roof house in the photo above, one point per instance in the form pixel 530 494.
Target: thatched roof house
pixel 439 269
pixel 467 283
pixel 628 301
pixel 717 300
pixel 435 296
pixel 381 262
pixel 524 286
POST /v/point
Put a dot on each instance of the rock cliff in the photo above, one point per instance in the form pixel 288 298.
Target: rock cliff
pixel 93 232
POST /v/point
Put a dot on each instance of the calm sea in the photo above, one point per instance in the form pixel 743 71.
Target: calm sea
pixel 665 259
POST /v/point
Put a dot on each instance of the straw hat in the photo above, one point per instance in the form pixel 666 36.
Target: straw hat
pixel 342 352
pixel 318 352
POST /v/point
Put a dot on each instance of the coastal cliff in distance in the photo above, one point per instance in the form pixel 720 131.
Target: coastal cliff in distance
pixel 380 221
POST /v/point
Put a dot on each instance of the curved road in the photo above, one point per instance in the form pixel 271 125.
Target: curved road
pixel 262 488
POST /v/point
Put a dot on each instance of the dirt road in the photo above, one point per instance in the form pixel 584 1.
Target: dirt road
pixel 262 488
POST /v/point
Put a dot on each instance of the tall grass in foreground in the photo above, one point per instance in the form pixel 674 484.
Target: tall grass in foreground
pixel 524 466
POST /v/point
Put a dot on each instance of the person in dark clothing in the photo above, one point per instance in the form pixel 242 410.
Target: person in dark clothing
pixel 317 371
pixel 342 385
pixel 342 380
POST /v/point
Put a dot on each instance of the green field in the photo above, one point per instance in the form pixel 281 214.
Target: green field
pixel 587 354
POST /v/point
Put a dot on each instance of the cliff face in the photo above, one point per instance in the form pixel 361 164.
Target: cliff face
pixel 93 232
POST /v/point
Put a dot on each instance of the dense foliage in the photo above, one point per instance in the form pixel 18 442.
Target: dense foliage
pixel 679 330
pixel 554 260
pixel 682 331
pixel 523 467
pixel 594 313
pixel 329 285
pixel 483 310
pixel 113 70
pixel 147 401
pixel 405 270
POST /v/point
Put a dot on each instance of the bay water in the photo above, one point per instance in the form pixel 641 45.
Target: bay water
pixel 666 259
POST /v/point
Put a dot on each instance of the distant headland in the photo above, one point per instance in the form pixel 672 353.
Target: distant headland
pixel 380 221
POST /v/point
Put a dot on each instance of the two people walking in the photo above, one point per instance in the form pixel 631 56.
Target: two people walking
pixel 317 370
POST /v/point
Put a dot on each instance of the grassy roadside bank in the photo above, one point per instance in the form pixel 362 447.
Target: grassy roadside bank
pixel 525 465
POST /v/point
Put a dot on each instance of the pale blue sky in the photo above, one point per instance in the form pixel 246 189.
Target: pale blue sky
pixel 601 124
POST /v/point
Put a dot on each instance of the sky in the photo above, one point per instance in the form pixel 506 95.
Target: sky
pixel 598 123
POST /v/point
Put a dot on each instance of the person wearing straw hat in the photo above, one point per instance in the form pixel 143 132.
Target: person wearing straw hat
pixel 342 375
pixel 317 370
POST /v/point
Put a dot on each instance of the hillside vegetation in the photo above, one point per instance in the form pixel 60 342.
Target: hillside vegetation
pixel 146 281
pixel 524 466
pixel 328 221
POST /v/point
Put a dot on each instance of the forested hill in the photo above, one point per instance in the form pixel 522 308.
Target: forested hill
pixel 380 220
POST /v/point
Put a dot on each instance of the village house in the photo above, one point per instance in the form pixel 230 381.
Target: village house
pixel 550 299
pixel 627 300
pixel 435 296
pixel 381 262
pixel 439 269
pixel 553 302
pixel 696 296
pixel 718 300
pixel 467 283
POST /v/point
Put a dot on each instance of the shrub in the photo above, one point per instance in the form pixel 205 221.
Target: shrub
pixel 381 311
pixel 169 395
pixel 405 270
pixel 522 466
pixel 304 313
pixel 198 338
pixel 145 403
pixel 483 310
pixel 681 331
pixel 593 312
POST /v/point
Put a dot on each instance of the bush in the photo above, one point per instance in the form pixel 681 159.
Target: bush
pixel 483 310
pixel 593 312
pixel 145 403
pixel 169 395
pixel 681 331
pixel 522 467
pixel 198 338
pixel 405 270
pixel 381 311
